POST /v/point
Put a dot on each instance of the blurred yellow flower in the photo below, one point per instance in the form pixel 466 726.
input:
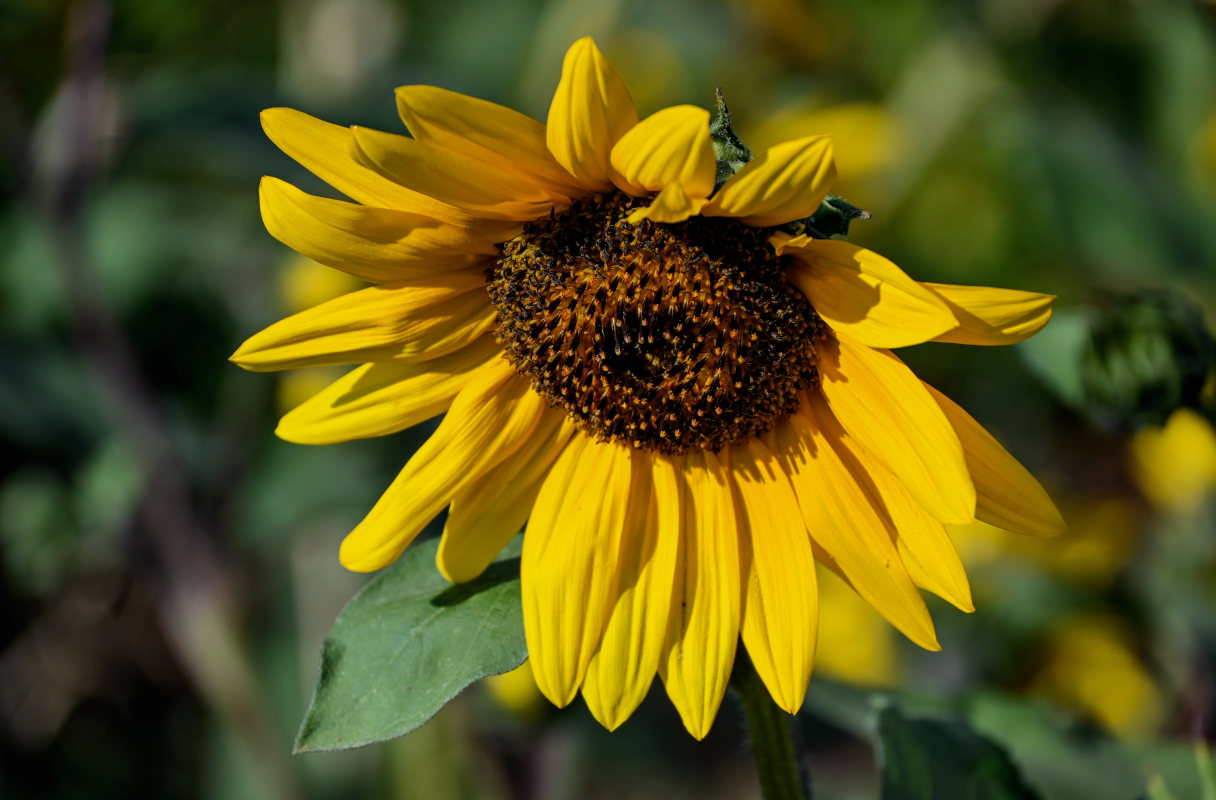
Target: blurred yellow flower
pixel 802 34
pixel 304 283
pixel 1090 666
pixel 856 645
pixel 516 691
pixel 298 386
pixel 1175 465
pixel 866 136
pixel 1205 145
pixel 685 399
pixel 653 66
pixel 1102 538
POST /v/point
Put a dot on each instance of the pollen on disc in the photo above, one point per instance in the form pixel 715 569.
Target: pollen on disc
pixel 666 337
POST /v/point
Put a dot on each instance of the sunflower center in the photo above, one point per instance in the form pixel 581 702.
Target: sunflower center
pixel 666 337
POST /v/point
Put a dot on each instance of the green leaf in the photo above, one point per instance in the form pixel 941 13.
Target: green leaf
pixel 407 644
pixel 928 759
pixel 1207 770
pixel 1055 352
pixel 1066 758
pixel 1061 757
pixel 1157 790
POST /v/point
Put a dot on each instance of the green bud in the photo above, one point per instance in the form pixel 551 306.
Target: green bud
pixel 1148 355
pixel 731 153
pixel 832 219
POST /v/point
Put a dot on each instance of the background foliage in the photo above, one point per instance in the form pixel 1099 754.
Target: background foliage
pixel 168 569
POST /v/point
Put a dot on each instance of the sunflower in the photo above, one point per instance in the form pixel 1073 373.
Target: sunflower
pixel 686 402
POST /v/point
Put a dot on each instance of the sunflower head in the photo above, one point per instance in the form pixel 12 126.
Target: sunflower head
pixel 659 368
pixel 663 337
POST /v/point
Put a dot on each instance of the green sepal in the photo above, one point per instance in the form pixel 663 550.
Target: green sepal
pixel 731 153
pixel 408 643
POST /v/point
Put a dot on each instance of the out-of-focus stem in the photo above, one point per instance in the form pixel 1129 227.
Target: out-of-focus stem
pixel 195 600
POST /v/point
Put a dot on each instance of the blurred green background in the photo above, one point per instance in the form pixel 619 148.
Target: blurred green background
pixel 168 568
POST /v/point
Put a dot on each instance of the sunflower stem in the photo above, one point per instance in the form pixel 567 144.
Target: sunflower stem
pixel 782 776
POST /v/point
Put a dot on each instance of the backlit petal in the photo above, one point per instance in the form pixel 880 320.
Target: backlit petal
pixel 481 188
pixel 924 546
pixel 375 244
pixel 622 670
pixel 591 111
pixel 703 629
pixel 780 614
pixel 988 316
pixel 782 184
pixel 882 405
pixel 486 515
pixel 920 538
pixel 838 508
pixel 490 418
pixel 384 397
pixel 864 296
pixel 483 130
pixel 1007 495
pixel 569 569
pixel 409 320
pixel 671 146
pixel 325 150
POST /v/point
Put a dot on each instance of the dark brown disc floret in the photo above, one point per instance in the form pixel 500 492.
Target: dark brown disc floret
pixel 666 337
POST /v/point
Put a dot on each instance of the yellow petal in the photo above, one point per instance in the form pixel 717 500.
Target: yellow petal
pixel 482 188
pixel 488 421
pixel 1007 495
pixel 784 183
pixel 921 539
pixel 703 629
pixel 839 508
pixel 482 130
pixel 864 296
pixel 384 397
pixel 779 240
pixel 411 321
pixel 671 146
pixel 590 112
pixel 622 670
pixel 988 316
pixel 569 566
pixel 924 546
pixel 780 616
pixel 375 244
pixel 882 405
pixel 485 516
pixel 325 150
pixel 671 205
